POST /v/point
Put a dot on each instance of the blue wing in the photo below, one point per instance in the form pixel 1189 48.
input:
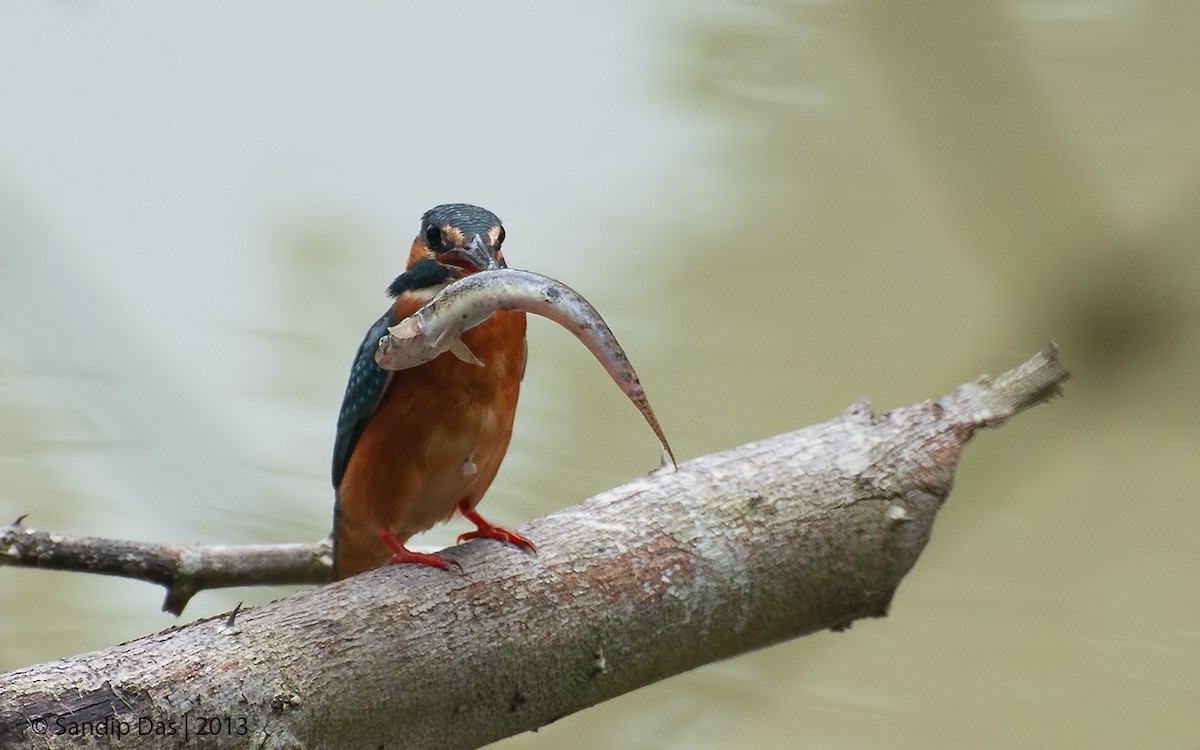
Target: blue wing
pixel 367 382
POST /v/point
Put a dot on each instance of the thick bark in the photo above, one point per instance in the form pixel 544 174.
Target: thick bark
pixel 734 551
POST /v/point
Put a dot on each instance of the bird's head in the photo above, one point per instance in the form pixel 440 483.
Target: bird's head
pixel 462 238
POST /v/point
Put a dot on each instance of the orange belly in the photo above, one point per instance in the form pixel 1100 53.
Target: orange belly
pixel 437 436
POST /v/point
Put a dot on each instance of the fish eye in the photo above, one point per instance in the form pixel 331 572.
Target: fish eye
pixel 433 237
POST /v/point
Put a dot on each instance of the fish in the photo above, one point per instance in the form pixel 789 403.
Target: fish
pixel 437 327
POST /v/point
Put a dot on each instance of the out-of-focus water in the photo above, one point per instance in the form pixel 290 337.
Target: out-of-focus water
pixel 780 208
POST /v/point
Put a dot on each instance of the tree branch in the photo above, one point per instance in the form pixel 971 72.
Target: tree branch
pixel 182 570
pixel 734 551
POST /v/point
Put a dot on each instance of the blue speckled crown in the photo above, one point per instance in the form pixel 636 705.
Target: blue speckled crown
pixel 468 219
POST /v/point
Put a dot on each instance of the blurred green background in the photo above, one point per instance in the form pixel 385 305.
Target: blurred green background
pixel 779 207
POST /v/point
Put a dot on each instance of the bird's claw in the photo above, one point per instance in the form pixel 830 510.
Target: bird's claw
pixel 503 535
pixel 485 529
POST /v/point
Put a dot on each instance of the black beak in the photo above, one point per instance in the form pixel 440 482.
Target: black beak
pixel 478 256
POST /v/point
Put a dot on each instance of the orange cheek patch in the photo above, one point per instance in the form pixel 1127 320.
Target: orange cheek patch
pixel 419 252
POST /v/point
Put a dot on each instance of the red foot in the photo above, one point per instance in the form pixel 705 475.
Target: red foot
pixel 485 530
pixel 402 554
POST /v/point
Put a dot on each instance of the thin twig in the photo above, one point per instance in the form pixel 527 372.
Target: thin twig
pixel 183 570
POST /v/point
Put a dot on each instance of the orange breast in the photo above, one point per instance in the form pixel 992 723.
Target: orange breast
pixel 437 436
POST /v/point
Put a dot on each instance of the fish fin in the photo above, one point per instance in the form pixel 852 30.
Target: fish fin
pixel 463 352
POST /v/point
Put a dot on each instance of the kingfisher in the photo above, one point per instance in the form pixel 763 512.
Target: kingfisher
pixel 413 446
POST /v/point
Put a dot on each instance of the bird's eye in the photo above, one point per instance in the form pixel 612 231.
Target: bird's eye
pixel 500 238
pixel 433 237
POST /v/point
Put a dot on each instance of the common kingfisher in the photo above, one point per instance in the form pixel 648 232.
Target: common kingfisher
pixel 414 445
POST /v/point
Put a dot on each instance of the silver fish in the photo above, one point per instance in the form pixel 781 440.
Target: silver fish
pixel 438 326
